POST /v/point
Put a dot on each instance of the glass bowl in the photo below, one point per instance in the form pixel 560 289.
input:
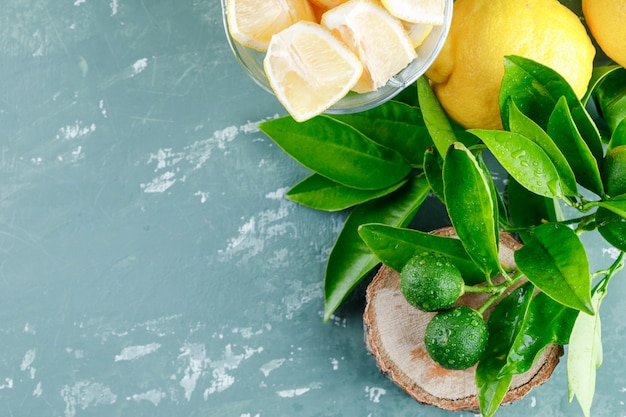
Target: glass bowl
pixel 252 63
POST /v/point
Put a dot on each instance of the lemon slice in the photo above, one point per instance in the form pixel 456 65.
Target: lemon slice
pixel 253 22
pixel 375 36
pixel 417 11
pixel 309 69
pixel 418 32
pixel 327 4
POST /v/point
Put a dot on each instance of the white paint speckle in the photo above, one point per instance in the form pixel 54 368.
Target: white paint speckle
pixel 132 353
pixel 192 157
pixel 8 384
pixel 296 392
pixel 114 7
pixel 76 130
pixel 611 252
pixel 290 393
pixel 79 2
pixel 37 391
pixel 271 366
pixel 278 194
pixel 27 362
pixel 375 393
pixel 103 109
pixel 204 196
pixel 533 402
pixel 28 328
pixel 153 396
pixel 160 184
pixel 194 354
pixel 84 394
pixel 139 66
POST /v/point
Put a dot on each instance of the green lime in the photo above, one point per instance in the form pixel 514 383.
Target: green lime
pixel 614 171
pixel 456 338
pixel 430 282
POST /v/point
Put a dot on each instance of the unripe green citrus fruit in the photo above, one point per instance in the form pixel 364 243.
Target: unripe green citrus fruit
pixel 430 282
pixel 614 171
pixel 456 338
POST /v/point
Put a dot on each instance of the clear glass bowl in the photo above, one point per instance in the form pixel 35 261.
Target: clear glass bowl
pixel 252 63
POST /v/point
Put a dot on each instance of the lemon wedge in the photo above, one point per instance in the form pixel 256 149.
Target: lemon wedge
pixel 309 69
pixel 253 22
pixel 375 36
pixel 417 11
pixel 418 32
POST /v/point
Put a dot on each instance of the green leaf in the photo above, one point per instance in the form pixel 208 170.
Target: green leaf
pixel 597 76
pixel 496 199
pixel 547 322
pixel 350 260
pixel 612 227
pixel 435 118
pixel 338 152
pixel 395 125
pixel 396 246
pixel 535 89
pixel 504 326
pixel 566 136
pixel 616 204
pixel 524 160
pixel 554 259
pixel 525 126
pixel 433 169
pixel 470 207
pixel 528 209
pixel 618 137
pixel 320 193
pixel 584 356
pixel 611 98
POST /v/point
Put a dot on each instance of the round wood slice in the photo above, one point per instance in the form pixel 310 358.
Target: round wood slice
pixel 394 335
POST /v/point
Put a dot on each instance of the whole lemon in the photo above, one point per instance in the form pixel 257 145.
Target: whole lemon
pixel 467 75
pixel 606 20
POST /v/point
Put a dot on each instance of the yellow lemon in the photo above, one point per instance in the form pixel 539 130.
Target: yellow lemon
pixel 309 69
pixel 253 22
pixel 467 74
pixel 375 36
pixel 606 20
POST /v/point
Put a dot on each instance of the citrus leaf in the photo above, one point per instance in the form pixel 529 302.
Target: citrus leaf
pixel 527 209
pixel 338 152
pixel 525 126
pixel 320 193
pixel 496 199
pixel 535 89
pixel 584 355
pixel 554 259
pixel 396 246
pixel 566 136
pixel 597 76
pixel 611 98
pixel 395 125
pixel 504 326
pixel 350 260
pixel 612 227
pixel 435 118
pixel 524 160
pixel 547 322
pixel 616 204
pixel 433 169
pixel 470 207
pixel 618 137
